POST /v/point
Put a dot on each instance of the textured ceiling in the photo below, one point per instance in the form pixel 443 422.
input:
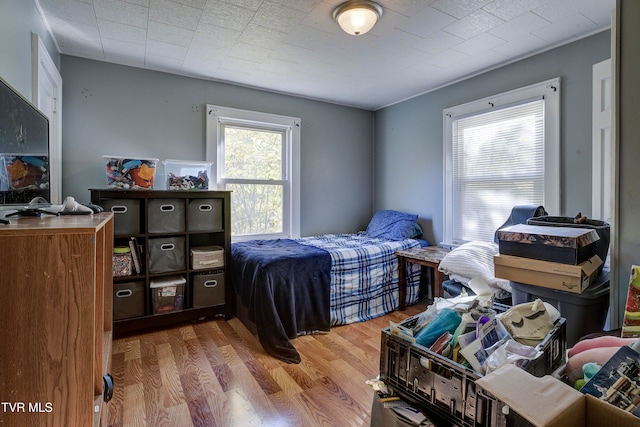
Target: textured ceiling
pixel 295 47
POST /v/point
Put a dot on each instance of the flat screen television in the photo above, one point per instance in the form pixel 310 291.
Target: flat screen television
pixel 24 149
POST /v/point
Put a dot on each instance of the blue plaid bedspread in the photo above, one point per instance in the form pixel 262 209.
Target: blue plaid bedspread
pixel 364 275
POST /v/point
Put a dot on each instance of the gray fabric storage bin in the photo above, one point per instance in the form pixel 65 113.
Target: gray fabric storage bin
pixel 208 289
pixel 204 215
pixel 128 300
pixel 126 215
pixel 166 216
pixel 166 254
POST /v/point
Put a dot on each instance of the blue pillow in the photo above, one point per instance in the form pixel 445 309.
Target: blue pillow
pixel 392 225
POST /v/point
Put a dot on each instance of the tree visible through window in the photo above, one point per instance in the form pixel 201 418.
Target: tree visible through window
pixel 253 170
pixel 256 156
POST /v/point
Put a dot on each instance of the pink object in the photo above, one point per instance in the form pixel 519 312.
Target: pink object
pixel 597 355
pixel 603 341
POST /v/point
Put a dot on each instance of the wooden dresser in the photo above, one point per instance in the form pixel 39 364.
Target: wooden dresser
pixel 55 320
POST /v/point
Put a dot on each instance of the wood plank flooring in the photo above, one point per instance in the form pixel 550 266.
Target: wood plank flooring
pixel 215 373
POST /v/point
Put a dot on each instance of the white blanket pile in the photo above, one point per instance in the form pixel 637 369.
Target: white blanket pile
pixel 471 260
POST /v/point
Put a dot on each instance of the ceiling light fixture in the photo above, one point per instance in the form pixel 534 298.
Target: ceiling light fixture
pixel 357 17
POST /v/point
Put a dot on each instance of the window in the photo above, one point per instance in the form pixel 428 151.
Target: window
pixel 500 152
pixel 256 156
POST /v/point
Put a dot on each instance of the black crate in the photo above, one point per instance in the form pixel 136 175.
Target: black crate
pixel 447 387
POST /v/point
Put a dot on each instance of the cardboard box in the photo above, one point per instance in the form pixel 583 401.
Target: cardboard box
pixel 553 275
pixel 601 227
pixel 548 402
pixel 566 245
pixel 617 381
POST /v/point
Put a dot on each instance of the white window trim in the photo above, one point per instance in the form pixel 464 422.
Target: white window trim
pixel 550 90
pixel 218 115
pixel 45 76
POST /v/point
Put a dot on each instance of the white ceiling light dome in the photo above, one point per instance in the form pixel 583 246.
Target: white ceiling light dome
pixel 357 17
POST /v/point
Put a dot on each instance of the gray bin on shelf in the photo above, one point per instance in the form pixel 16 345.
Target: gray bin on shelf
pixel 167 254
pixel 128 300
pixel 208 289
pixel 204 215
pixel 126 215
pixel 166 216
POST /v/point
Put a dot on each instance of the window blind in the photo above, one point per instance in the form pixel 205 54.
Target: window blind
pixel 498 162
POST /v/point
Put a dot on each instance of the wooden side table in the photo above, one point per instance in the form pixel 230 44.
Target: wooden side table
pixel 429 256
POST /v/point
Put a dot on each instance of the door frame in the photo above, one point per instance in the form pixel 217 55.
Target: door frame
pixel 45 74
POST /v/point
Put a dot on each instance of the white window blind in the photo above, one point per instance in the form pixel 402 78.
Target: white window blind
pixel 497 156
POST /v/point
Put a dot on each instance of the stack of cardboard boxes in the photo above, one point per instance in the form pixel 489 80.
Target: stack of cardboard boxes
pixel 560 265
pixel 562 258
pixel 555 260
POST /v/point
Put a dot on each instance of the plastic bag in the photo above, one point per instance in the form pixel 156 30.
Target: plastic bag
pixel 510 352
pixel 447 320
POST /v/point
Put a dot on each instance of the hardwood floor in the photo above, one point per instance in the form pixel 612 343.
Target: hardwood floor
pixel 215 373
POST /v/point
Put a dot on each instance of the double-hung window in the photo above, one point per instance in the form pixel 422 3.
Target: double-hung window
pixel 256 156
pixel 500 152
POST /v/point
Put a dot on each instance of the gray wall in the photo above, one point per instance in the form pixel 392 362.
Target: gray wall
pixel 409 139
pixel 626 245
pixel 18 19
pixel 110 109
pixel 124 111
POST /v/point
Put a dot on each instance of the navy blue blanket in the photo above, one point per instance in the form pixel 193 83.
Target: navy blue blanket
pixel 286 288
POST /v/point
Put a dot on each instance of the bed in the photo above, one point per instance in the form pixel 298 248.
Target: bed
pixel 291 287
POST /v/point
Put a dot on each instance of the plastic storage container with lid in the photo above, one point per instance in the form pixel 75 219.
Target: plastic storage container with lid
pixel 167 293
pixel 187 174
pixel 130 174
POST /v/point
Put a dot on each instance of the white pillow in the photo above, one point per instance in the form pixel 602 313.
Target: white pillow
pixel 471 260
